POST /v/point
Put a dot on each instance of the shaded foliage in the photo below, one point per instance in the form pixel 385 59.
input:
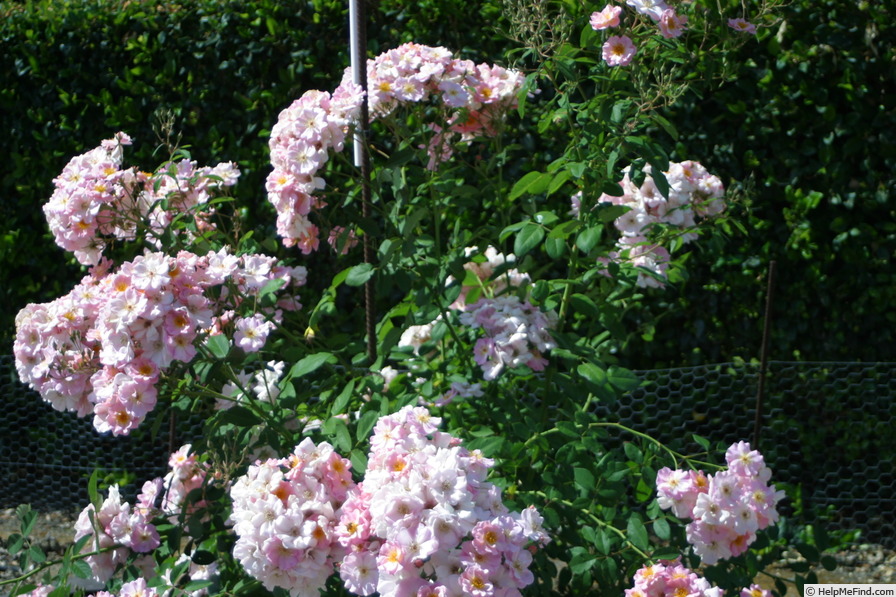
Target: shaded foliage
pixel 804 134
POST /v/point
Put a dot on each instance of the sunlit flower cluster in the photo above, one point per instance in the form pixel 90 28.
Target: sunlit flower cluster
pixel 693 194
pixel 116 530
pixel 514 331
pixel 316 124
pixel 728 508
pixel 426 522
pixel 103 347
pixel 619 50
pixel 285 513
pixel 95 201
pixel 672 579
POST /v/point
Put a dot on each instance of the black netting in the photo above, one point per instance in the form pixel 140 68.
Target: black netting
pixel 825 428
pixel 47 457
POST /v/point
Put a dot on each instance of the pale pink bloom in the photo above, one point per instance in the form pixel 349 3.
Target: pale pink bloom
pixel 359 572
pixel 742 25
pixel 618 50
pixel 755 591
pixel 743 460
pixel 671 24
pixel 252 332
pixel 606 18
pixel 652 8
pixel 137 588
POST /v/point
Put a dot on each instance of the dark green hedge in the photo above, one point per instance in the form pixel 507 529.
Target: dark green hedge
pixel 807 133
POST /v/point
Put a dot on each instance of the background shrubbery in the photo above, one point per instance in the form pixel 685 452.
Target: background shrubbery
pixel 804 133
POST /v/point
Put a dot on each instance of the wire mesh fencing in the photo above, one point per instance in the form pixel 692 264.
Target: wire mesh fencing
pixel 824 428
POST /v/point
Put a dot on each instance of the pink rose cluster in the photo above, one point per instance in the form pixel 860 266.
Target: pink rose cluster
pixel 694 194
pixel 516 332
pixel 103 347
pixel 187 474
pixel 96 201
pixel 490 273
pixel 726 509
pixel 318 122
pixel 121 530
pixel 301 141
pixel 671 579
pixel 285 514
pixel 618 50
pixel 425 522
pixel 118 530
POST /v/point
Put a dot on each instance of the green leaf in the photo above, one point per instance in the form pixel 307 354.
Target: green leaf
pixel 584 478
pixel 704 443
pixel 271 287
pixel 623 379
pixel 588 238
pixel 666 553
pixel 196 585
pixel 661 529
pixel 359 274
pixel 218 345
pixel 636 533
pixel 667 126
pixel 584 305
pixel 529 237
pixel 581 561
pixel 92 491
pixel 37 554
pixel 592 373
pixel 555 247
pixel 558 181
pixel 533 182
pixel 202 557
pixel 565 229
pixel 489 445
pixel 603 541
pixel 568 428
pixel 342 399
pixel 14 544
pixel 27 518
pixel 311 363
pixel 633 452
pixel 365 424
pixel 81 569
pixel 808 551
pixel 337 430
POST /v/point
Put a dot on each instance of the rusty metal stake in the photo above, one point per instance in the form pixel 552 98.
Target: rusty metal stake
pixel 358 42
pixel 763 355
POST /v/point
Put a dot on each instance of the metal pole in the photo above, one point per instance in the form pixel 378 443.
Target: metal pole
pixel 358 42
pixel 763 355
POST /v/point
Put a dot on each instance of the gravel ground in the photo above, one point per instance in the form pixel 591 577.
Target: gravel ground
pixel 865 563
pixel 53 532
